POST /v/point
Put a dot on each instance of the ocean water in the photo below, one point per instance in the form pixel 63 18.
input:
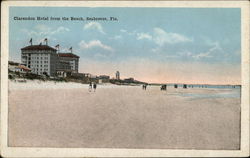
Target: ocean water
pixel 219 91
pixel 228 94
pixel 207 86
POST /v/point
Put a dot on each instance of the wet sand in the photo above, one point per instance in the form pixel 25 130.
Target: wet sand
pixel 122 117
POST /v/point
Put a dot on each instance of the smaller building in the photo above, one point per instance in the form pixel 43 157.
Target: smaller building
pixel 23 69
pixel 17 67
pixel 85 77
pixel 103 78
pixel 129 80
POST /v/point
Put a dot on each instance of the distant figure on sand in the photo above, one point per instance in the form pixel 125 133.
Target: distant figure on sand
pixel 144 87
pixel 184 86
pixel 94 86
pixel 164 87
pixel 90 86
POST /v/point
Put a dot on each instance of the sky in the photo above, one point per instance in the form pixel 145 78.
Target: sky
pixel 156 45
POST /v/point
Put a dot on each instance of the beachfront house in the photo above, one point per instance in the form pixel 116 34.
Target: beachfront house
pixel 103 79
pixel 129 80
pixel 17 67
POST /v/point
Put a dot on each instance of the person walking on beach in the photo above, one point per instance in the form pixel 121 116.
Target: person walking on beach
pixel 144 86
pixel 90 86
pixel 94 86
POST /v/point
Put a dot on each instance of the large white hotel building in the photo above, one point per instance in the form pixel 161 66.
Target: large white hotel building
pixel 43 59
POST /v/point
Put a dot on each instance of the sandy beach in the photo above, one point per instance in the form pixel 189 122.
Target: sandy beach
pixel 48 114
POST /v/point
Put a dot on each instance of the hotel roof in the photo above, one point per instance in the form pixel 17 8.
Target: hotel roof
pixel 38 47
pixel 71 55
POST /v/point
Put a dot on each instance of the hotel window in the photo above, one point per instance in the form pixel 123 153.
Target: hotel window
pixel 37 57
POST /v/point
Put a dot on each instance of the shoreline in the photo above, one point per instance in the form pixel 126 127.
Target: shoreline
pixel 36 84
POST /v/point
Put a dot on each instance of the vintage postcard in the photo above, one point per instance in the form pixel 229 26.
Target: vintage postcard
pixel 124 79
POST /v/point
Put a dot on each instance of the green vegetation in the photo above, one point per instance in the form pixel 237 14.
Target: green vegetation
pixel 125 82
pixel 85 80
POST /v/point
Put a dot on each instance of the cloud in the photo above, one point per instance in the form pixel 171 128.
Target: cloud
pixel 94 26
pixel 185 53
pixel 132 33
pixel 122 30
pixel 42 29
pixel 214 50
pixel 94 43
pixel 193 52
pixel 116 37
pixel 203 55
pixel 128 32
pixel 162 37
pixel 66 49
pixel 40 32
pixel 60 29
pixel 141 36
